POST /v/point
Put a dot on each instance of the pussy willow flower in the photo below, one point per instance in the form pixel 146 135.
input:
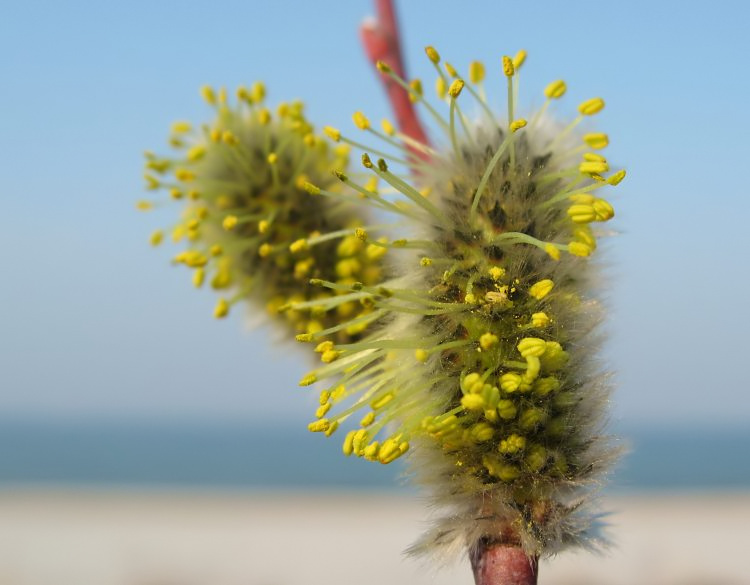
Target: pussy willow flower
pixel 252 231
pixel 487 365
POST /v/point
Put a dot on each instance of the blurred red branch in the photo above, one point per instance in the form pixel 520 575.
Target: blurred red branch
pixel 380 38
pixel 502 564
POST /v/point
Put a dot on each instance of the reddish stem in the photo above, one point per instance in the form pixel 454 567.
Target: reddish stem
pixel 503 564
pixel 380 38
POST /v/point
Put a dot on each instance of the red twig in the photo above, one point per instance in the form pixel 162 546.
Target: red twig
pixel 503 564
pixel 381 41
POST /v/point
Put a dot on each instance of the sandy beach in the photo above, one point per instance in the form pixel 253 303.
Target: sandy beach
pixel 225 538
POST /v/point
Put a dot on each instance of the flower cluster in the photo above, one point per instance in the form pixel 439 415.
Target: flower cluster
pixel 252 231
pixel 486 362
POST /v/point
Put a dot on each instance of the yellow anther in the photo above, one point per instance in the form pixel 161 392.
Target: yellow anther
pixel 272 158
pixel 350 245
pixel 298 246
pixel 544 386
pixel 591 107
pixel 216 250
pixel 348 446
pixel 541 289
pixel 319 426
pixel 310 188
pixel 360 234
pixel 512 444
pixel 196 152
pixel 580 249
pixel 450 69
pixel 198 276
pixel 283 110
pixel 506 409
pixel 516 125
pixel 441 88
pixel 332 428
pixel 156 238
pixel 257 92
pixel 617 178
pixel 368 419
pixel 381 401
pixel 510 382
pixel 309 379
pixel 152 182
pixel 387 127
pixel 481 432
pixel 322 410
pixel 531 418
pixel 519 59
pixel 264 116
pixel 425 261
pixel 552 251
pixel 324 346
pixel 221 309
pixel 503 471
pixel 361 121
pixel 144 205
pixel 536 458
pixel 263 226
pixel 330 356
pixel 508 68
pixel 496 272
pixel 596 140
pixel 332 133
pixel 582 198
pixel 184 175
pixel 604 211
pixel 476 72
pixel 421 355
pixel 208 94
pixel 581 213
pixel 488 341
pixel 432 54
pixel 472 383
pixel 222 96
pixel 591 167
pixel 594 157
pixel 473 402
pixel 229 222
pixel 540 319
pixel 243 94
pixel 455 89
pixel 264 250
pixel 214 135
pixel 366 162
pixel 383 67
pixel 556 89
pixel 371 451
pixel 160 166
pixel 192 258
pixel 583 234
pixel 325 396
pixel 416 90
pixel 375 252
pixel 348 267
pixel 310 140
pixel 181 126
pixel 554 357
pixel 229 138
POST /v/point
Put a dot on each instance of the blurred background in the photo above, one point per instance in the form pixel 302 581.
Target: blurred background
pixel 142 442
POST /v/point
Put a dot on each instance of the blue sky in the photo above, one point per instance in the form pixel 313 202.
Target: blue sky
pixel 95 323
